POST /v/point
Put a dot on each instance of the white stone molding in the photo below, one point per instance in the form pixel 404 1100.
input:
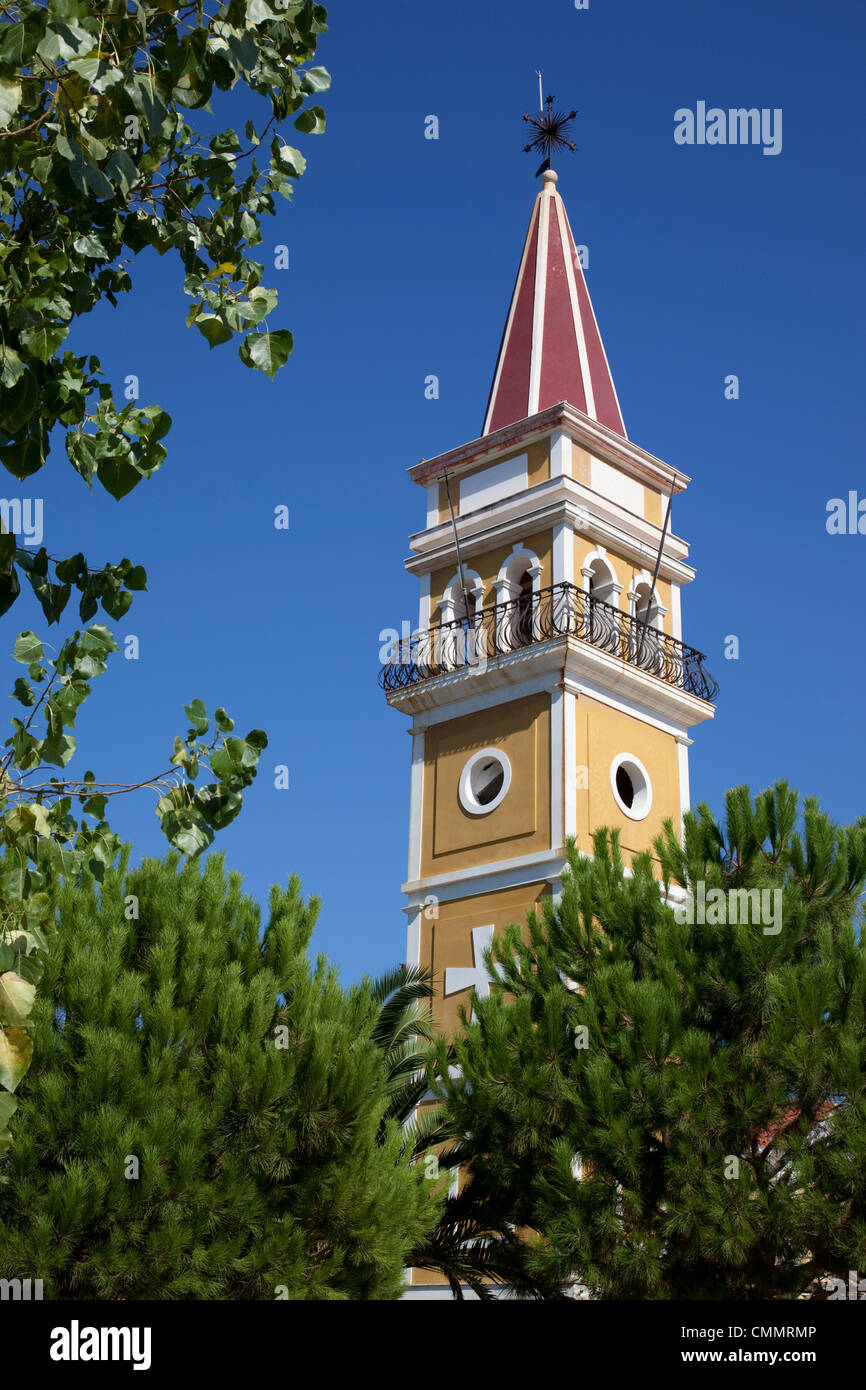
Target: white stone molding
pixel 466 788
pixel 451 605
pixel 507 582
pixel 563 554
pixel 640 779
pixel 596 565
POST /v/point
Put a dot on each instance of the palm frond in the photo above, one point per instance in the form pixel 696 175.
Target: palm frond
pixel 404 1004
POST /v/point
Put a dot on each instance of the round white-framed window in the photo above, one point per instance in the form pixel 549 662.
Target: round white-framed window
pixel 631 786
pixel 484 781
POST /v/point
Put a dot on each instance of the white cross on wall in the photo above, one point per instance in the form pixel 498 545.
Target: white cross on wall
pixel 475 976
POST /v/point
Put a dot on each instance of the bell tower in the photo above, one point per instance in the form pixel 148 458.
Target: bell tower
pixel 548 685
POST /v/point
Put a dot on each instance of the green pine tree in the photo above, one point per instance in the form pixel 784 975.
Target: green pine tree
pixel 463 1246
pixel 206 1112
pixel 677 1109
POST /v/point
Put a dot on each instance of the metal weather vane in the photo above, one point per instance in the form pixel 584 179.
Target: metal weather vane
pixel 552 129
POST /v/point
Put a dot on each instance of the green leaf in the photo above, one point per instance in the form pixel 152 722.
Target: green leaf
pixel 89 245
pixel 197 716
pixel 219 805
pixel 87 68
pixel 186 829
pixel 28 648
pixel 292 160
pixel 93 180
pixel 12 365
pixel 64 39
pixel 25 457
pixel 158 422
pixel 42 824
pixel 16 1050
pixel 117 475
pixel 20 402
pixel 44 341
pixel 58 750
pixel 311 121
pixel 81 451
pixel 315 80
pixel 148 101
pixel 13 44
pixel 266 352
pixel 52 597
pixel 31 968
pixel 214 329
pixel 10 100
pixel 10 588
pixel 24 692
pixel 121 170
pixel 259 304
pixel 16 999
pixel 98 638
pixel 8 550
pixel 68 570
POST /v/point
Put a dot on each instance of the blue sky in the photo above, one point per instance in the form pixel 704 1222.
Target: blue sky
pixel 703 261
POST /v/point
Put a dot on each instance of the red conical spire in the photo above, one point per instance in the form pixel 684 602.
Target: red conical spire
pixel 551 348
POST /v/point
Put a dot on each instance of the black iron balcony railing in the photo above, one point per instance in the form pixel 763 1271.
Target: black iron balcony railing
pixel 560 611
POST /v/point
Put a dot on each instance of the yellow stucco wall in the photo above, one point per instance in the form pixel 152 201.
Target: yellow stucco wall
pixel 446 940
pixel 653 510
pixel 452 838
pixel 603 733
pixel 580 464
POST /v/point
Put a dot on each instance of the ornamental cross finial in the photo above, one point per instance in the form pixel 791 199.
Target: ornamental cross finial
pixel 552 129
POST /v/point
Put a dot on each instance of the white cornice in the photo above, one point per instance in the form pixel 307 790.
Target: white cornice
pixel 519 687
pixel 596 672
pixel 458 691
pixel 491 877
pixel 599 440
pixel 542 507
pixel 584 668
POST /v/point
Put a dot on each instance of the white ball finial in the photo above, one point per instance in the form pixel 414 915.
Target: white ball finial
pixel 550 176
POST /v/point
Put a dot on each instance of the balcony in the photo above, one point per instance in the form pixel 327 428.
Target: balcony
pixel 562 611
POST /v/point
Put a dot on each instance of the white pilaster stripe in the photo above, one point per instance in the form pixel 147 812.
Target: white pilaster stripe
pixel 676 612
pixel 538 308
pixel 560 455
pixel 424 603
pixel 563 554
pixel 569 754
pixel 683 759
pixel 413 939
pixel 567 242
pixel 600 338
